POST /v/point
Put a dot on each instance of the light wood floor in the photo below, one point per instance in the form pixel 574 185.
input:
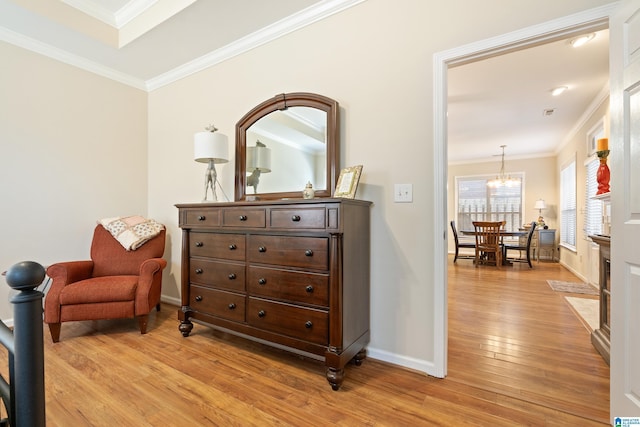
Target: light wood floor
pixel 517 356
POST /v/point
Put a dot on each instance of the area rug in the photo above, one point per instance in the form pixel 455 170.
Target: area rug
pixel 587 310
pixel 572 287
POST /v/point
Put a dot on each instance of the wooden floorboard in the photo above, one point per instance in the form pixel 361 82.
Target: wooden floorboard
pixel 518 355
pixel 510 333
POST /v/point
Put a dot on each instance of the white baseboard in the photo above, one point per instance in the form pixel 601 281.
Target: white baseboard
pixel 577 273
pixel 404 361
pixel 171 300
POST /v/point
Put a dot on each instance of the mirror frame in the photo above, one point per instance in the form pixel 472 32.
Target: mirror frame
pixel 282 102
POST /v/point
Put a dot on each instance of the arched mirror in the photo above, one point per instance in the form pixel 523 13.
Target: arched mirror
pixel 285 142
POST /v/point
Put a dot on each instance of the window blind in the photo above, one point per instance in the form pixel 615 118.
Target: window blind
pixel 593 207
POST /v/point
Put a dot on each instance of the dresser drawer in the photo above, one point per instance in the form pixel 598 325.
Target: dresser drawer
pixel 207 217
pixel 217 303
pixel 244 217
pixel 305 288
pixel 219 274
pixel 301 218
pixel 304 252
pixel 303 323
pixel 225 246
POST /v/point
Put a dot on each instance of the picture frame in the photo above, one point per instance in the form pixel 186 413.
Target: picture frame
pixel 348 182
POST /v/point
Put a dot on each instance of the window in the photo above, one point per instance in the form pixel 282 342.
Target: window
pixel 568 205
pixel 475 201
pixel 593 207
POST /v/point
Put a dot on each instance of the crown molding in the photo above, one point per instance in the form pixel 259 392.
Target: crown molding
pixel 131 11
pixel 93 9
pixel 117 19
pixel 47 50
pixel 272 32
pixel 599 99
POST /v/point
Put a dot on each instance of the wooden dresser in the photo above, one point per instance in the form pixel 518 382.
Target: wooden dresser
pixel 293 273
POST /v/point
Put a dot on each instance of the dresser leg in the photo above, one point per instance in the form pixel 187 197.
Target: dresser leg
pixel 335 377
pixel 359 358
pixel 185 327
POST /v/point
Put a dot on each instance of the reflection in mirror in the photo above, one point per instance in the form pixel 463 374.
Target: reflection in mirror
pixel 258 162
pixel 286 142
pixel 296 141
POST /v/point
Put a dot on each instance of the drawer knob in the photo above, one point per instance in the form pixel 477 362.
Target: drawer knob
pixel 262 249
pixel 262 281
pixel 308 324
pixel 232 306
pixel 295 218
pixel 198 271
pixel 201 217
pixel 261 313
pixel 199 244
pixel 232 276
pixel 242 217
pixel 198 298
pixel 309 289
pixel 232 247
pixel 308 252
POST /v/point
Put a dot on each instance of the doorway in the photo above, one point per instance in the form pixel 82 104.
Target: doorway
pixel 587 21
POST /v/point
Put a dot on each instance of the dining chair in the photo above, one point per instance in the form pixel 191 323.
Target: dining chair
pixel 488 242
pixel 521 247
pixel 461 244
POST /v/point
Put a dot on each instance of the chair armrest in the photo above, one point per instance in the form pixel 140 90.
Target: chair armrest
pixel 149 284
pixel 63 274
pixel 149 267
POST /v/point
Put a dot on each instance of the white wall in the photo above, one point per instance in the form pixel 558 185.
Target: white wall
pixel 375 59
pixel 73 150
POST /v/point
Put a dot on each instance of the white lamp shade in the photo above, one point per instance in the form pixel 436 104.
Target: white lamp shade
pixel 259 158
pixel 210 146
pixel 540 204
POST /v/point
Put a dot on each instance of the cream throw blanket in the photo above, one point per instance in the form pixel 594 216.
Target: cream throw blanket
pixel 132 231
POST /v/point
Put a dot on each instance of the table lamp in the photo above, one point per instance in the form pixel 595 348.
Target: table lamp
pixel 540 204
pixel 212 148
pixel 258 162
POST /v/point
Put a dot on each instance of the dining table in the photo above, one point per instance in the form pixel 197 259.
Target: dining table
pixel 503 233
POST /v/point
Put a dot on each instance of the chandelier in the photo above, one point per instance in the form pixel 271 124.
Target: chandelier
pixel 503 180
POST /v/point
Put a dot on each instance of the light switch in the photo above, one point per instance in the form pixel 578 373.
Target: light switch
pixel 403 193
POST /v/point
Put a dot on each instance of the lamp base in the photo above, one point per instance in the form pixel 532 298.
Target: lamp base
pixel 210 180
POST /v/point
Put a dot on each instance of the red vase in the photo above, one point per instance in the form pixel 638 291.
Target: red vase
pixel 603 177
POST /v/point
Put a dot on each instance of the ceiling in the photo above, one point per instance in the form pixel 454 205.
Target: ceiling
pixel 151 43
pixel 504 100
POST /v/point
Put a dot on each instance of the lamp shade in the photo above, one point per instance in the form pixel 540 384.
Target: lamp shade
pixel 259 158
pixel 210 146
pixel 540 204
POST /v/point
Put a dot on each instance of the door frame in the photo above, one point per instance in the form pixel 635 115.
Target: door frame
pixel 587 21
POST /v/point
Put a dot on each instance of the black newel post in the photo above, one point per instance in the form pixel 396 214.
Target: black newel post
pixel 28 386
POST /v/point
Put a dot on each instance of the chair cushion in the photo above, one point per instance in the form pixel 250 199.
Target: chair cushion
pixel 100 289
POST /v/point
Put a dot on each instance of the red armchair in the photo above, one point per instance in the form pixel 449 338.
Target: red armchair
pixel 114 284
